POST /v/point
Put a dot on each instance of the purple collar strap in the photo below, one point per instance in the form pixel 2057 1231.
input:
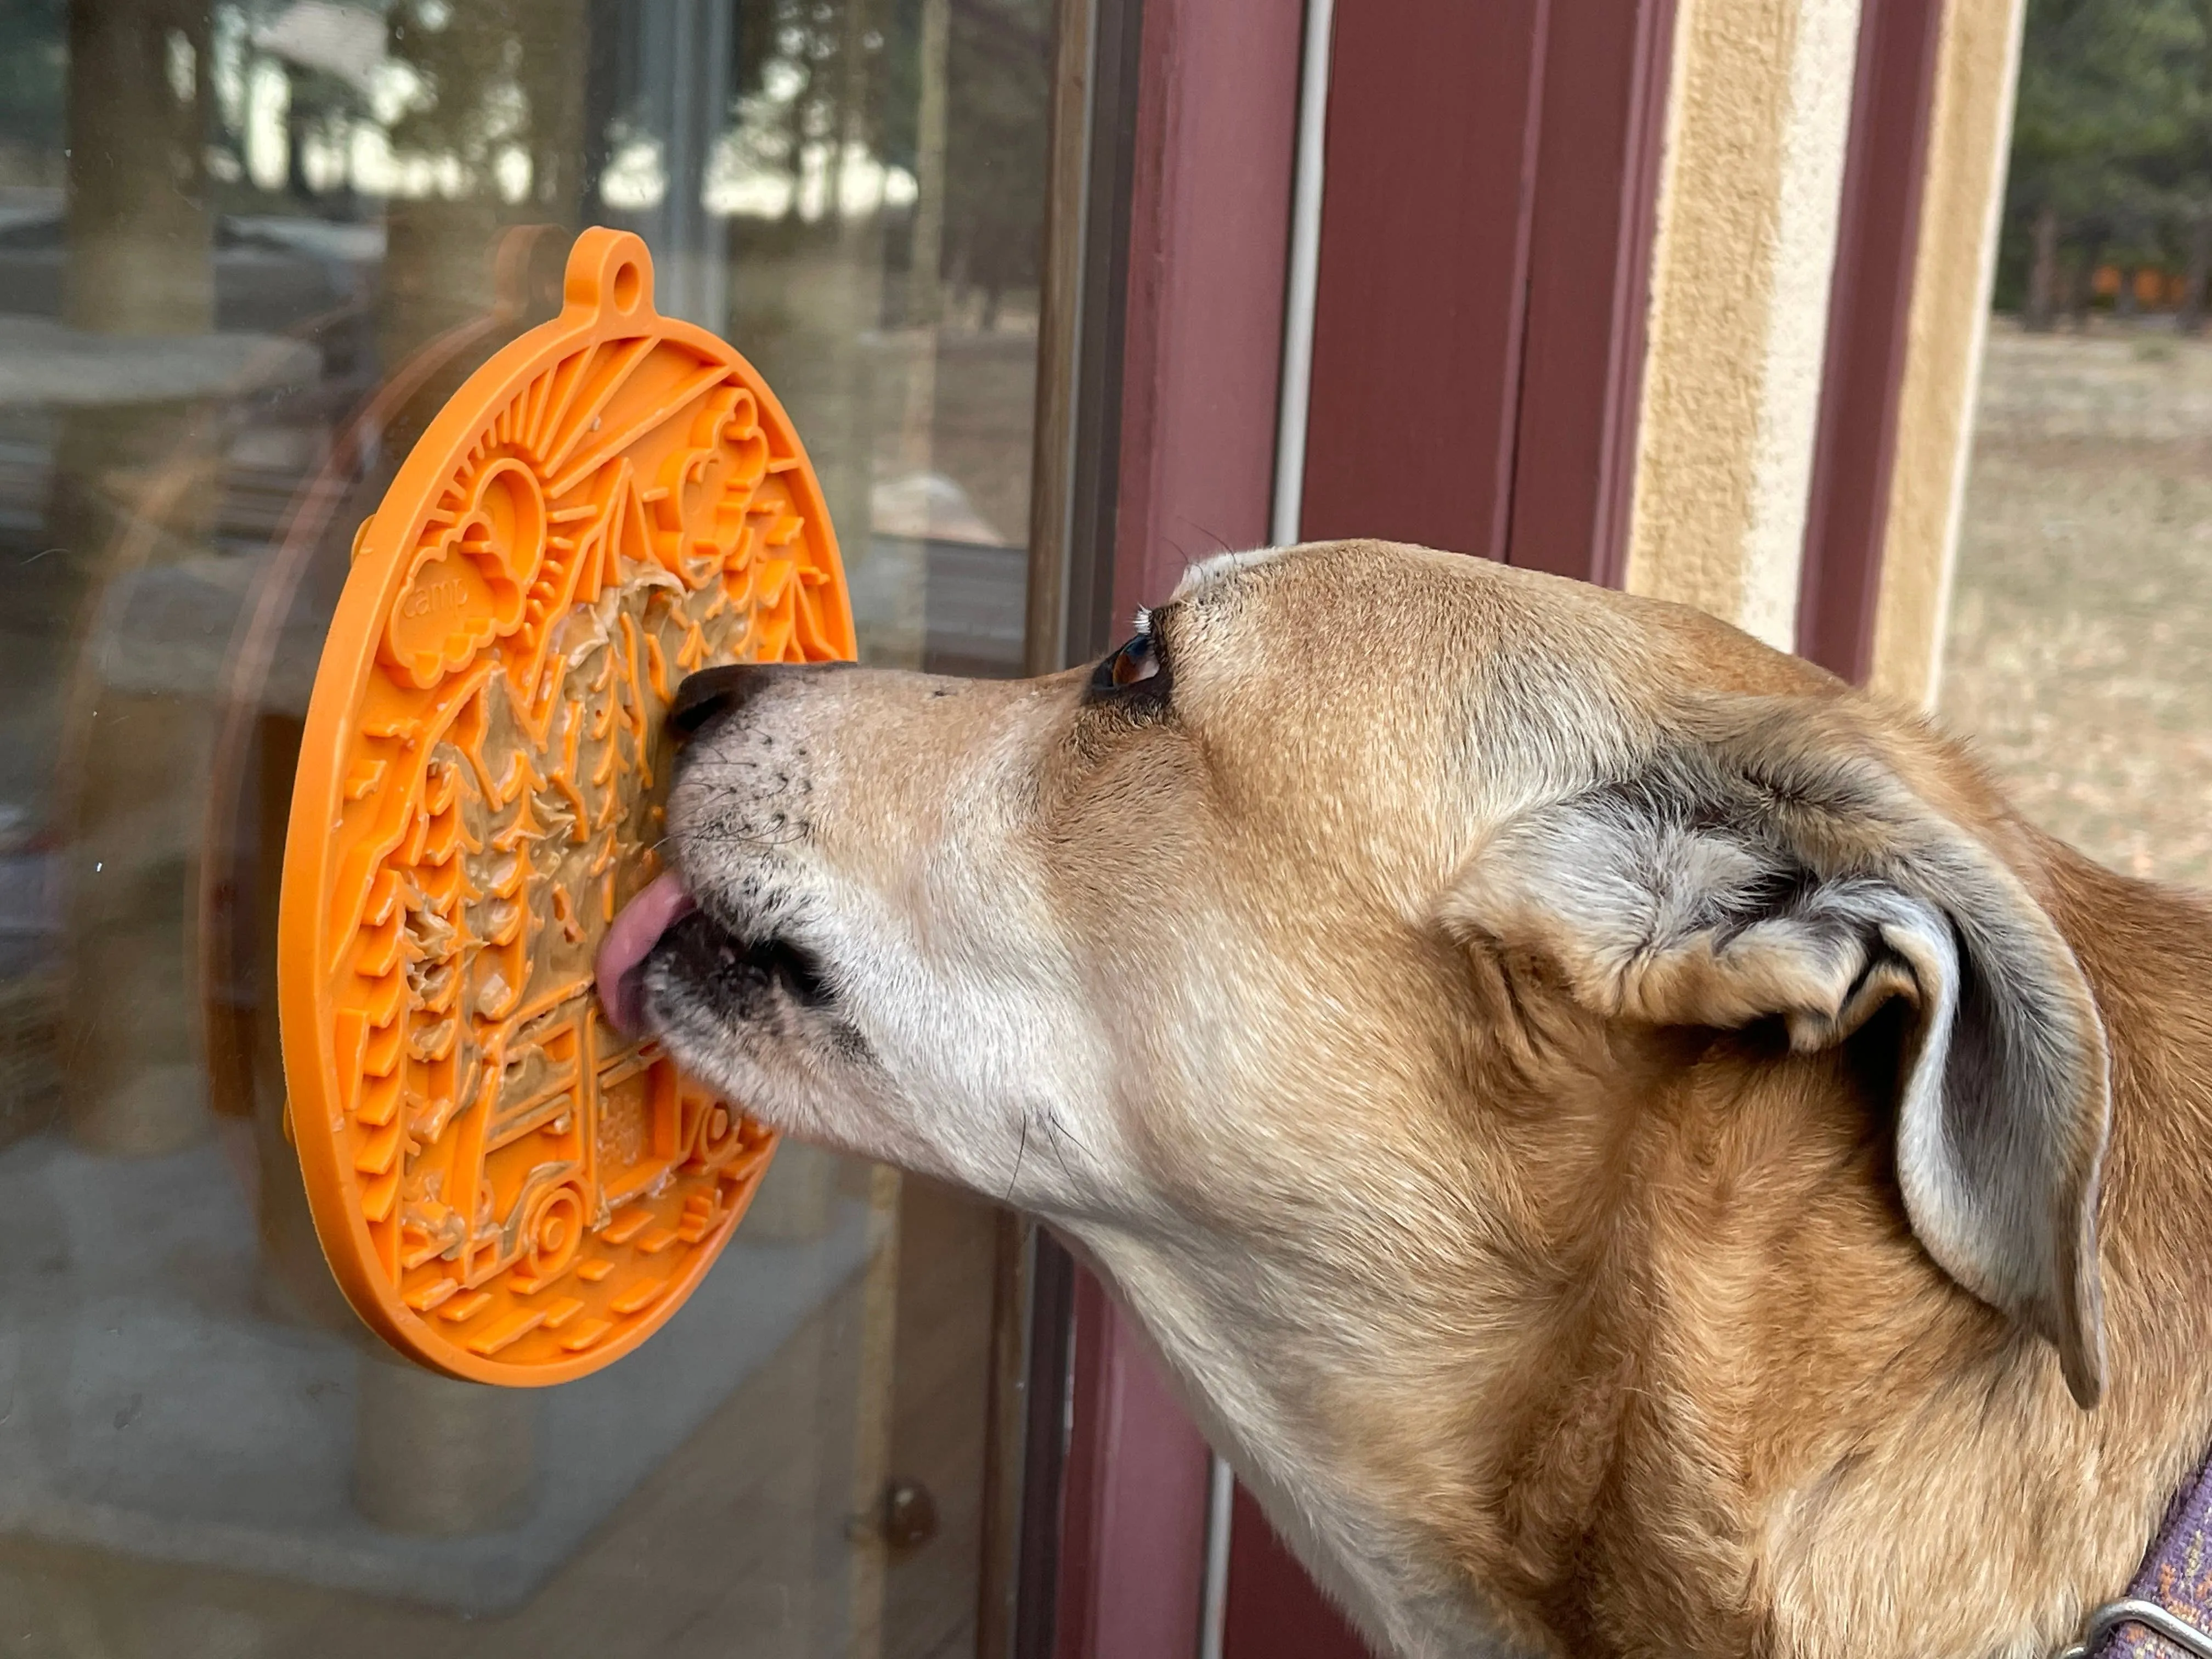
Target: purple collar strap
pixel 2168 1607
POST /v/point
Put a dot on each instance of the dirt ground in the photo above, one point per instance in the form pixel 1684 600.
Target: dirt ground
pixel 2079 653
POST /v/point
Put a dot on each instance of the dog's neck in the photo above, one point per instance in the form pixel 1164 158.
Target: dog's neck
pixel 1714 1403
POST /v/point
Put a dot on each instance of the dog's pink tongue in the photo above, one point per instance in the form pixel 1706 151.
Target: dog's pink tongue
pixel 636 929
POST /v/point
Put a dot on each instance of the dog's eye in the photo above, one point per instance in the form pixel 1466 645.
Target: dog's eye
pixel 1137 661
pixel 1140 659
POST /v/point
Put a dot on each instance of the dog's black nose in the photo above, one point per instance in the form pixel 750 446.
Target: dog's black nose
pixel 713 691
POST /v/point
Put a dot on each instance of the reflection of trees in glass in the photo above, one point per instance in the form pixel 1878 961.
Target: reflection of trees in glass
pixel 322 107
pixel 1001 71
pixel 814 78
pixel 471 98
pixel 800 68
pixel 2111 159
pixel 468 104
pixel 492 103
pixel 522 107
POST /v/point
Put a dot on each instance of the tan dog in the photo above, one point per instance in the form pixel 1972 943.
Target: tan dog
pixel 1605 1121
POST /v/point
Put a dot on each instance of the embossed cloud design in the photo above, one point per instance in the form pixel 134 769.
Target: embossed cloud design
pixel 507 1187
pixel 467 584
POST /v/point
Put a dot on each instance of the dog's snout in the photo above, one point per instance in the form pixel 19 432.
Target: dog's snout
pixel 715 691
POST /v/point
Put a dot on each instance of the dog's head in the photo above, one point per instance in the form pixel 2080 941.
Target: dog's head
pixel 1357 911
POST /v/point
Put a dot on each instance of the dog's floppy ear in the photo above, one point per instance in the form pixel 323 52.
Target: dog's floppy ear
pixel 1779 871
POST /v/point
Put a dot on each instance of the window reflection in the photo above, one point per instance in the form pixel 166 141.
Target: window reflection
pixel 246 251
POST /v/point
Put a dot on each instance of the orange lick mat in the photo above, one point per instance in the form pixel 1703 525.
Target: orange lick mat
pixel 507 1189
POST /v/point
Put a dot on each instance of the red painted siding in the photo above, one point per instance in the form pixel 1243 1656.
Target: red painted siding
pixel 1132 1543
pixel 1216 115
pixel 1274 1611
pixel 1877 232
pixel 1430 160
pixel 1590 264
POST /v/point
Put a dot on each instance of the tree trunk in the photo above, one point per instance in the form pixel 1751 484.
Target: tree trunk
pixel 796 136
pixel 141 236
pixel 557 40
pixel 2083 298
pixel 296 184
pixel 2124 301
pixel 2042 311
pixel 2191 319
pixel 140 262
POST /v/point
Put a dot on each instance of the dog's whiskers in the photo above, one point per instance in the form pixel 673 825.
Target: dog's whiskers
pixel 1020 1151
pixel 1061 1133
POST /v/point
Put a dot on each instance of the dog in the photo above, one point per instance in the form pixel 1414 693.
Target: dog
pixel 1629 1145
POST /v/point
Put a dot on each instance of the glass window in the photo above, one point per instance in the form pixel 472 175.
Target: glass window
pixel 246 251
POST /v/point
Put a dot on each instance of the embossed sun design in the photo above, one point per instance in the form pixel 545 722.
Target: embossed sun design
pixel 507 1187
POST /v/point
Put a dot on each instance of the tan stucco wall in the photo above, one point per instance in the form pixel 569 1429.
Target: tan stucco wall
pixel 1969 131
pixel 1757 120
pixel 1757 124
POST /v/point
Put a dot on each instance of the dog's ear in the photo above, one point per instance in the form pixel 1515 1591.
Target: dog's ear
pixel 1779 873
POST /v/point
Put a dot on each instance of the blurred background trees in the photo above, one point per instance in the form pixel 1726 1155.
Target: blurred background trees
pixel 2109 201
